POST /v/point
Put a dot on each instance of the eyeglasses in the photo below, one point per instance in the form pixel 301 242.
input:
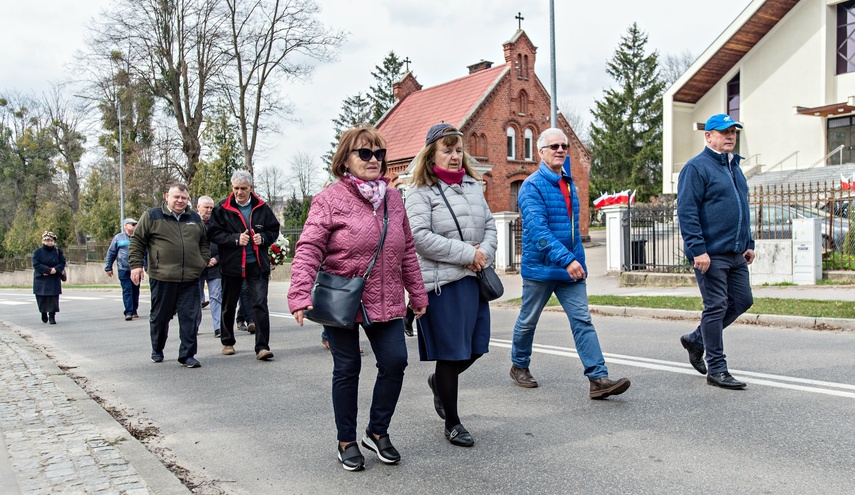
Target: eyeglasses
pixel 554 147
pixel 365 154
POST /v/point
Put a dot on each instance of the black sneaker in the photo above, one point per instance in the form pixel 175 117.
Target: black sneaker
pixel 191 363
pixel 242 326
pixel 382 447
pixel 350 457
pixel 156 357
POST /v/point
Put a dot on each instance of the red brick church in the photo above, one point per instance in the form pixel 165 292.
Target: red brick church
pixel 500 110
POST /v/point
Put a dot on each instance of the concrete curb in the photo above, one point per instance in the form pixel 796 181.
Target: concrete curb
pixel 158 478
pixel 750 319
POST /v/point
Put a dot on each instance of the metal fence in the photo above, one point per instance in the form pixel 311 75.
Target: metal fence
pixel 515 245
pixel 92 251
pixel 655 243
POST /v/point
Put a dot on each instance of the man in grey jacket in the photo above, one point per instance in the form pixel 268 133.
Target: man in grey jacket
pixel 118 252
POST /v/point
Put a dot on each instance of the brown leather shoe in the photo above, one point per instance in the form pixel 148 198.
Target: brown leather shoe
pixel 263 355
pixel 228 350
pixel 522 377
pixel 604 387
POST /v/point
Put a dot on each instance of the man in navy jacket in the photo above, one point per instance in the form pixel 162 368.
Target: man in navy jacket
pixel 712 208
pixel 553 261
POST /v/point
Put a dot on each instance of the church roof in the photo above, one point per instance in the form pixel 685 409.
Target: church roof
pixel 407 123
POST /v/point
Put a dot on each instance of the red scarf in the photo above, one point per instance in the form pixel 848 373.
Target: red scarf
pixel 448 176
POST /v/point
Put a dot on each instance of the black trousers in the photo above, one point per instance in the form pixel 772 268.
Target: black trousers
pixel 174 298
pixel 257 286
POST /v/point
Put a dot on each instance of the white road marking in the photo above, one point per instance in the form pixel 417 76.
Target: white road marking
pixel 780 381
pixel 15 303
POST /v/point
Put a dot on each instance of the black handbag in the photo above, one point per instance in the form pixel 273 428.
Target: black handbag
pixel 490 286
pixel 336 299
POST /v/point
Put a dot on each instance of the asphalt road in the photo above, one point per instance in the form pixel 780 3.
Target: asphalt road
pixel 248 427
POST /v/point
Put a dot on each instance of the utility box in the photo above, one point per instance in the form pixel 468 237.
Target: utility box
pixel 807 251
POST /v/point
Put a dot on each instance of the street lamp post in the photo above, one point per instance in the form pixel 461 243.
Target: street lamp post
pixel 121 164
pixel 553 106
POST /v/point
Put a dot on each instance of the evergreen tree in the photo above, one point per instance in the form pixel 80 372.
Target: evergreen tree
pixel 381 96
pixel 356 111
pixel 626 133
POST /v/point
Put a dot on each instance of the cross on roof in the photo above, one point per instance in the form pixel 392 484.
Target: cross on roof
pixel 407 61
pixel 519 19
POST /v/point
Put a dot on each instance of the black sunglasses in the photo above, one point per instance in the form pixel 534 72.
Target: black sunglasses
pixel 365 154
pixel 554 147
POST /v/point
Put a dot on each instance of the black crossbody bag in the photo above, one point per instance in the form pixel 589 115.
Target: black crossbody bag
pixel 336 299
pixel 490 286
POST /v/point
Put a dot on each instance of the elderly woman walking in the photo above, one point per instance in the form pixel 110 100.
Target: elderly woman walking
pixel 341 235
pixel 48 265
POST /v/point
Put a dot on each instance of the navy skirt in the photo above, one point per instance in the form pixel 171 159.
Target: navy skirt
pixel 456 324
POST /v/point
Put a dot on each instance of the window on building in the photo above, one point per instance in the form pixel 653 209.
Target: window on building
pixel 528 144
pixel 522 98
pixel 525 67
pixel 733 104
pixel 512 143
pixel 483 145
pixel 733 98
pixel 846 37
pixel 515 194
pixel 519 66
pixel 841 131
pixel 473 145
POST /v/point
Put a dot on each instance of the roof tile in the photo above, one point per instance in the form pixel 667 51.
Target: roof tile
pixel 408 121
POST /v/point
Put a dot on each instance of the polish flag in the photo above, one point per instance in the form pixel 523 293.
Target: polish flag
pixel 622 198
pixel 612 199
pixel 632 198
pixel 845 184
pixel 601 201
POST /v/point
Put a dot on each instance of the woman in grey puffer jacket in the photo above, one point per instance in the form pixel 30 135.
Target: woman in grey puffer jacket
pixel 455 331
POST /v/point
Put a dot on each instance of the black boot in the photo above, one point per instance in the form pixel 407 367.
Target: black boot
pixel 44 317
pixel 51 318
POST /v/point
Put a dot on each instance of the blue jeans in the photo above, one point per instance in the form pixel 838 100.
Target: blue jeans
pixel 573 297
pixel 390 350
pixel 130 293
pixel 174 298
pixel 215 296
pixel 726 291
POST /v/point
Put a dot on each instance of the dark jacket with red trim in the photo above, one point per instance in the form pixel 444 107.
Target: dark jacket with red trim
pixel 226 225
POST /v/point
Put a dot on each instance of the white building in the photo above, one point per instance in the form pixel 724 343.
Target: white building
pixel 785 69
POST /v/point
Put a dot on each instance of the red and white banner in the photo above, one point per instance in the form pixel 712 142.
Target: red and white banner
pixel 847 184
pixel 615 198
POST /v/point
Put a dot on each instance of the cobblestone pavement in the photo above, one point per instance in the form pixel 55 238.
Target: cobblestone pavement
pixel 52 447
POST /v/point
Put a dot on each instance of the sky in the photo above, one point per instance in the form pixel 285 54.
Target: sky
pixel 40 39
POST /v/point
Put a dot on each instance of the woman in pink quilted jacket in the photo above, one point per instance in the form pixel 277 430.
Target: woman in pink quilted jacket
pixel 341 236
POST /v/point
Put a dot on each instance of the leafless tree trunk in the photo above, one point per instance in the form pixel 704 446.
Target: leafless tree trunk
pixel 304 176
pixel 65 129
pixel 269 185
pixel 265 36
pixel 673 66
pixel 175 47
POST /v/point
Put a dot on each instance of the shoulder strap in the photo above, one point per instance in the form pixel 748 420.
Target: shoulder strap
pixel 382 238
pixel 450 210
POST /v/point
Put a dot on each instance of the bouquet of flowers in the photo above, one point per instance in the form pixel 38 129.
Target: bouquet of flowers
pixel 277 251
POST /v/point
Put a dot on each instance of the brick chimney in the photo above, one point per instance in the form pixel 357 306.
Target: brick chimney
pixel 406 86
pixel 479 66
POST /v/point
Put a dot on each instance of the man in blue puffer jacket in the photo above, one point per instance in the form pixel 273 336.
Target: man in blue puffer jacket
pixel 712 207
pixel 553 261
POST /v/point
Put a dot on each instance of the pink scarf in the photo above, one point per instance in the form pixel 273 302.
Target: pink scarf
pixel 448 176
pixel 372 190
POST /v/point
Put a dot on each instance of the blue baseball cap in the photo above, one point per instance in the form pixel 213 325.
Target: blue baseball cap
pixel 720 122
